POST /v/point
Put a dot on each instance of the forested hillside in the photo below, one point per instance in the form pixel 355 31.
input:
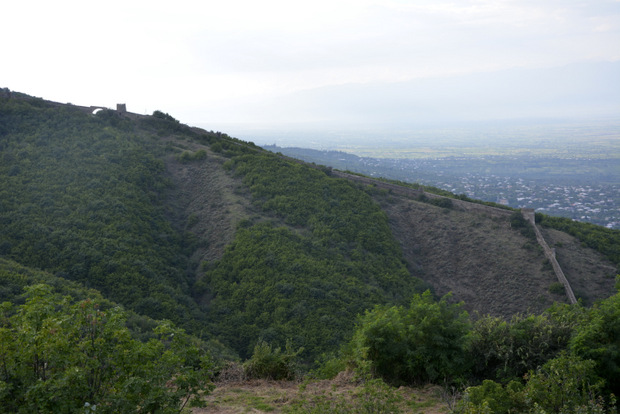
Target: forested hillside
pixel 81 198
pixel 324 254
pixel 122 221
pixel 84 197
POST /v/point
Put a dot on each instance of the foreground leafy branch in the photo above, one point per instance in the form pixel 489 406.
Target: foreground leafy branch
pixel 59 356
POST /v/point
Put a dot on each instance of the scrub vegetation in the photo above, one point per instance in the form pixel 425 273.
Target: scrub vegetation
pixel 120 294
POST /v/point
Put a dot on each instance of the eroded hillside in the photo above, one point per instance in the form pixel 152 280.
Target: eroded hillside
pixel 205 200
pixel 489 265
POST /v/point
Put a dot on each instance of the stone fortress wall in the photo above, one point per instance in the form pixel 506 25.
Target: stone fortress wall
pixel 528 214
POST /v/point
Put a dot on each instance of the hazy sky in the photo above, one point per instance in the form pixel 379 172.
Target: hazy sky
pixel 230 60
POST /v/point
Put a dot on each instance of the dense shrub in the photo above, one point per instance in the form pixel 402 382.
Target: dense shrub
pixel 187 156
pixel 424 342
pixel 86 203
pixel 494 398
pixel 505 350
pixel 162 115
pixel 566 384
pixel 518 222
pixel 272 363
pixel 327 255
pixel 598 339
pixel 60 356
pixel 440 202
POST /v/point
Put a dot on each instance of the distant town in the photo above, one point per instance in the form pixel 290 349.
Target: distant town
pixel 598 204
pixel 594 203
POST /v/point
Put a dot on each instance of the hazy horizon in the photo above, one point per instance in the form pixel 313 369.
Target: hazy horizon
pixel 494 133
pixel 337 62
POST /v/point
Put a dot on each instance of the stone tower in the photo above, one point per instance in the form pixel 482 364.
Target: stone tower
pixel 121 108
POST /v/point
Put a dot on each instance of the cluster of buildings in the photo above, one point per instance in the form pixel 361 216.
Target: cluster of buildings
pixel 597 203
pixel 594 203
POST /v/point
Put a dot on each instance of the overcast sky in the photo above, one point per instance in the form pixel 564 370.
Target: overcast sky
pixel 229 60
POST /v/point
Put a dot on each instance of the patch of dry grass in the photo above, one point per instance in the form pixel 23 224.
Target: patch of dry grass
pixel 262 396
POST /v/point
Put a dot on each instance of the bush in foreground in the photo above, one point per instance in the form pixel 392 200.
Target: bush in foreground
pixel 423 343
pixel 566 384
pixel 272 363
pixel 58 356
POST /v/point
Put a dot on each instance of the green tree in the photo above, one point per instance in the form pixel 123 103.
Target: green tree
pixel 598 338
pixel 272 363
pixel 494 398
pixel 566 384
pixel 425 342
pixel 505 350
pixel 57 356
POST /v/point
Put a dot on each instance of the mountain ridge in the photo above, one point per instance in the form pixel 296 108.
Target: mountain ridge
pixel 237 243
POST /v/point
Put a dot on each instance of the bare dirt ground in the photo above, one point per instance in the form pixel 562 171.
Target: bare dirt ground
pixel 480 259
pixel 207 202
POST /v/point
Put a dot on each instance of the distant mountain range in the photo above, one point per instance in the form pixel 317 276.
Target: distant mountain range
pixel 575 90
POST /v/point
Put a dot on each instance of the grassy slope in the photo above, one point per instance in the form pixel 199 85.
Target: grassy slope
pixel 205 200
pixel 261 396
pixel 590 274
